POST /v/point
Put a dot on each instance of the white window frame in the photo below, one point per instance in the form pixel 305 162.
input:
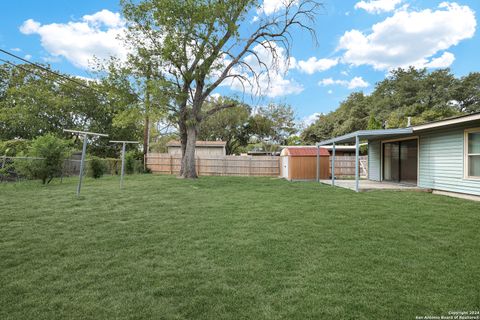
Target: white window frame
pixel 466 156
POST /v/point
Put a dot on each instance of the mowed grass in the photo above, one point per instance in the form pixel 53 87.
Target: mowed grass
pixel 233 248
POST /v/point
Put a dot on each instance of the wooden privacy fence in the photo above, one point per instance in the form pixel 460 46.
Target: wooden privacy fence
pixel 345 166
pixel 217 166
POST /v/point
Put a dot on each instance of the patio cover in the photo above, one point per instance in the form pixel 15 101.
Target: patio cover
pixel 355 137
pixel 366 134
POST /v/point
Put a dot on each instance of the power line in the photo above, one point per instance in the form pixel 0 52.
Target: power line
pixel 55 74
pixel 46 69
pixel 38 74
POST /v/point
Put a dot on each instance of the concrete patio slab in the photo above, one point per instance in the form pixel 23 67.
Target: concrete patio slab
pixel 368 185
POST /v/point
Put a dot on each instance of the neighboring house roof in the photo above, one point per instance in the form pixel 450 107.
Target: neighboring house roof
pixel 215 144
pixel 308 151
pixel 385 133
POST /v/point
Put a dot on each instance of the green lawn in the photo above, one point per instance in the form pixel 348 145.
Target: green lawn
pixel 233 248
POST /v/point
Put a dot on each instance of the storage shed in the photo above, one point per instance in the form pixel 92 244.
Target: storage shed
pixel 300 163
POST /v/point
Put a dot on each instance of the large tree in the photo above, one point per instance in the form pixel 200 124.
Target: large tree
pixel 203 43
pixel 467 93
pixel 133 84
pixel 33 103
pixel 424 96
pixel 273 123
pixel 229 125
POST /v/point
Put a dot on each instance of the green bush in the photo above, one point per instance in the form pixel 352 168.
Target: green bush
pixel 133 164
pixel 98 167
pixel 13 147
pixel 52 152
pixel 113 166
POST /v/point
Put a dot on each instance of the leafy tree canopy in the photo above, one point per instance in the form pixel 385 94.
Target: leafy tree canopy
pixel 34 103
pixel 423 96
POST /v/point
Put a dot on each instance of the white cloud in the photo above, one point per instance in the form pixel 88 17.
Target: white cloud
pixel 329 82
pixel 330 91
pixel 313 65
pixel 87 79
pixel 215 96
pixel 269 7
pixel 105 17
pixel 16 49
pixel 409 38
pixel 444 61
pixel 51 59
pixel 272 84
pixel 29 27
pixel 377 6
pixel 311 119
pixel 28 56
pixel 356 82
pixel 80 41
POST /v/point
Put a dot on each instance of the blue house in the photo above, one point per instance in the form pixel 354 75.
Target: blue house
pixel 443 156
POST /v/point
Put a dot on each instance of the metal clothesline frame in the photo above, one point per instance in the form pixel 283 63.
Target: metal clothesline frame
pixel 124 143
pixel 85 135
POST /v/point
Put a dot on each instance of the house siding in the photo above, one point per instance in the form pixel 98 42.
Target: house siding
pixel 441 161
pixel 374 161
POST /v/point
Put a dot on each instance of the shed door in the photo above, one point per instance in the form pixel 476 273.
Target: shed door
pixel 285 167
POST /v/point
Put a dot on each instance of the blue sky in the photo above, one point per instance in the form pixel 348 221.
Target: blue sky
pixel 358 43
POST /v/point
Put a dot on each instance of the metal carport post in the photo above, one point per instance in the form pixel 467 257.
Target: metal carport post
pixel 333 164
pixel 355 137
pixel 357 158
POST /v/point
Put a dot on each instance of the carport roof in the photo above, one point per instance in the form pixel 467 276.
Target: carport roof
pixel 368 134
pixel 386 133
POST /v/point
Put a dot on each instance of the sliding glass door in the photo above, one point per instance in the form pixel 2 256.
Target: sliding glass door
pixel 400 161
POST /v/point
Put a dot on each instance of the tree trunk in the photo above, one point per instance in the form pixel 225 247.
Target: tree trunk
pixel 146 135
pixel 183 142
pixel 188 162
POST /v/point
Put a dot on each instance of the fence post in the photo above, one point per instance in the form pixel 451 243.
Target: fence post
pixel 3 166
pixel 279 163
pixel 171 165
pixel 250 166
pixel 225 166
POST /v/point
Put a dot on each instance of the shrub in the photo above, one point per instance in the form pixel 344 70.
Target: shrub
pixel 113 166
pixel 53 151
pixel 97 167
pixel 7 169
pixel 133 164
pixel 13 147
pixel 130 162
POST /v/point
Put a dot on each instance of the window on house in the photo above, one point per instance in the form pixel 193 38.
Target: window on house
pixel 473 153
